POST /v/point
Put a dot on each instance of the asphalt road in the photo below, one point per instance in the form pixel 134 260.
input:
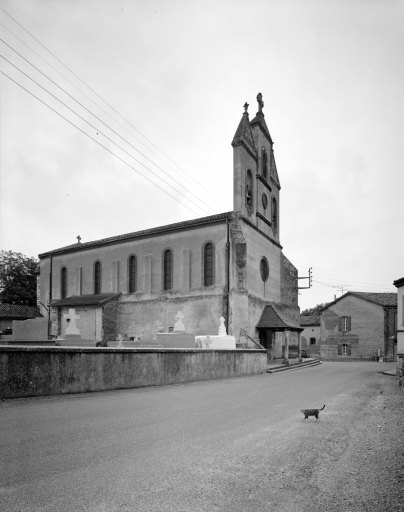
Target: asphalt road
pixel 224 445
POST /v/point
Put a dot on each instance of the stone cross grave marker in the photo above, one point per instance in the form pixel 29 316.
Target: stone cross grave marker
pixel 71 317
pixel 179 324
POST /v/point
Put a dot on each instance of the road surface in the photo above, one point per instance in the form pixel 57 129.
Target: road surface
pixel 222 445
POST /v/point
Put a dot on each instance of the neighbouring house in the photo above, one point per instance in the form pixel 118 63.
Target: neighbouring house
pixel 230 264
pixel 311 334
pixel 399 284
pixel 10 312
pixel 359 325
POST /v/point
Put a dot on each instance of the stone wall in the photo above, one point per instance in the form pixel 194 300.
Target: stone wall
pixel 29 371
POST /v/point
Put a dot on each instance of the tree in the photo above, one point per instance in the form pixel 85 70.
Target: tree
pixel 314 311
pixel 18 278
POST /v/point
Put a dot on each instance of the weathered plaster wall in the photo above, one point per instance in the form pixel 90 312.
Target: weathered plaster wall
pixel 27 371
pixel 187 246
pixel 143 318
pixel 367 329
pixel 28 330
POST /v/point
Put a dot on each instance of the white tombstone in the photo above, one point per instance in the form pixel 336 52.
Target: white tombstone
pixel 179 325
pixel 72 329
pixel 222 327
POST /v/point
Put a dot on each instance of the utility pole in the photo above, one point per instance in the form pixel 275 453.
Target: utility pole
pixel 309 277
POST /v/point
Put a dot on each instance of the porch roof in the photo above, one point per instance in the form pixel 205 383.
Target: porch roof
pixel 273 318
pixel 97 299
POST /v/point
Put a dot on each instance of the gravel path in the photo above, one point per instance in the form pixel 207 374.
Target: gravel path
pixel 351 460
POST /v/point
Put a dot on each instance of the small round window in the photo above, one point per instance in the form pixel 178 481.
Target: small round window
pixel 264 269
pixel 264 201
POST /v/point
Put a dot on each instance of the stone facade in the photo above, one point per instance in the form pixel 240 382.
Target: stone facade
pixel 358 325
pixel 399 284
pixel 248 271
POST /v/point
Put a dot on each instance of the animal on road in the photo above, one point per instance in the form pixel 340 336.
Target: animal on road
pixel 311 412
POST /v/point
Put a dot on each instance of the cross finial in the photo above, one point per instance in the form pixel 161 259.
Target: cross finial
pixel 260 102
pixel 246 107
pixel 78 239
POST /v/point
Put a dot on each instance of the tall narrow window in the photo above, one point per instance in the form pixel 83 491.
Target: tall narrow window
pixel 63 282
pixel 167 270
pixel 249 192
pixel 208 264
pixel 132 274
pixel 264 163
pixel 97 277
pixel 274 215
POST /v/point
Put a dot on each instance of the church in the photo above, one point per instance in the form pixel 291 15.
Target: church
pixel 227 265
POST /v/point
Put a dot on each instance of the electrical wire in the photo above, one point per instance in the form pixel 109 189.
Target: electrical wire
pixel 96 94
pixel 96 129
pixel 100 120
pixel 92 138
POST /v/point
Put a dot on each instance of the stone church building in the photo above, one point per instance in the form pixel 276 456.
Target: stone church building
pixel 230 264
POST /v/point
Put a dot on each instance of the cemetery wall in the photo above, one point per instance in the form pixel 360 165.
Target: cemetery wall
pixel 41 371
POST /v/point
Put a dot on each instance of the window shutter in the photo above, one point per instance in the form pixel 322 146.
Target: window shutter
pixel 348 323
pixel 341 323
pixel 340 350
pixel 349 350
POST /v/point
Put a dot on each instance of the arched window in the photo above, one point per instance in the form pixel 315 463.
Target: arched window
pixel 97 277
pixel 63 282
pixel 167 270
pixel 264 269
pixel 274 215
pixel 264 163
pixel 132 274
pixel 208 264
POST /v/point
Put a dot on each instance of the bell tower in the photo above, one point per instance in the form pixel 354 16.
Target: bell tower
pixel 255 178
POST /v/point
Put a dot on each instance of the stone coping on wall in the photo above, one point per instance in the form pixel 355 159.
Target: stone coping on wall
pixel 24 348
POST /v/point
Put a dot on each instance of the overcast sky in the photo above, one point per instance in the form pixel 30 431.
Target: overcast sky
pixel 163 83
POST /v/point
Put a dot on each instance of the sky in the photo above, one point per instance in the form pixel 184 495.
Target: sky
pixel 139 103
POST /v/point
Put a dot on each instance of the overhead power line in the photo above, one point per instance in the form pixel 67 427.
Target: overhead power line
pixel 197 198
pixel 187 175
pixel 92 138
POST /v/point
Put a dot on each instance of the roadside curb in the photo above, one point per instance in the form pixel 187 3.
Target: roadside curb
pixel 294 366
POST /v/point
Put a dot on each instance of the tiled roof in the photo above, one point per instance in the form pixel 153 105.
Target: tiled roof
pixel 85 300
pixel 309 320
pixel 273 318
pixel 18 311
pixel 212 219
pixel 386 299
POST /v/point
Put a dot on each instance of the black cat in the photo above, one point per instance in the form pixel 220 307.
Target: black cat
pixel 311 412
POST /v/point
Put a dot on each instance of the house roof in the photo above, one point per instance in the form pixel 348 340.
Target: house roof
pixel 18 311
pixel 273 318
pixel 309 320
pixel 387 299
pixel 399 282
pixel 97 299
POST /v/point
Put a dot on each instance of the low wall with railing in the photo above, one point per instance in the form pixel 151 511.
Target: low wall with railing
pixel 39 371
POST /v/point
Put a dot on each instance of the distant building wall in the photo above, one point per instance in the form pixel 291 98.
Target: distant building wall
pixel 364 335
pixel 30 330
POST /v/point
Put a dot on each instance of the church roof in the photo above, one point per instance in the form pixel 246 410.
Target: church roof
pixel 244 136
pixel 273 318
pixel 202 221
pixel 259 119
pixel 97 299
